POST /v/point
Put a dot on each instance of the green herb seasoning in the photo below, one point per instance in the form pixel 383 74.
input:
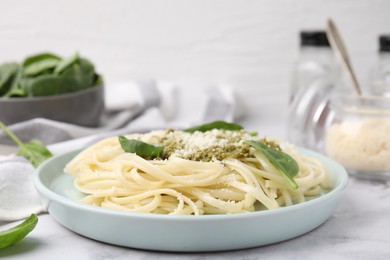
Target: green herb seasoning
pixel 198 146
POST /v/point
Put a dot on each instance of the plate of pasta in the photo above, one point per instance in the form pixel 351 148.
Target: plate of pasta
pixel 209 188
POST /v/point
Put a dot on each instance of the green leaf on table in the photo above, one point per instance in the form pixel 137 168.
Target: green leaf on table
pixel 283 162
pixel 34 151
pixel 140 148
pixel 215 125
pixel 15 234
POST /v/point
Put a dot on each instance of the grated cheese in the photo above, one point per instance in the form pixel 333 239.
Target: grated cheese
pixel 362 145
pixel 201 146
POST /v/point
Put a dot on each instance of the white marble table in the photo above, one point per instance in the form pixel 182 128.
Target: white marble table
pixel 358 229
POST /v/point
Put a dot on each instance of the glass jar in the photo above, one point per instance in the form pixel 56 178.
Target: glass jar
pixel 314 62
pixel 359 135
pixel 380 76
pixel 314 76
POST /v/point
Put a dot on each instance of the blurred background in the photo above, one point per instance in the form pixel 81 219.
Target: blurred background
pixel 249 45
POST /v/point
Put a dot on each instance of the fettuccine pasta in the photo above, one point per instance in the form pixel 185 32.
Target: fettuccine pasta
pixel 214 172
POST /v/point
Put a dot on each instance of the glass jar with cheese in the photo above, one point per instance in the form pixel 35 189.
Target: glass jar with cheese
pixel 358 136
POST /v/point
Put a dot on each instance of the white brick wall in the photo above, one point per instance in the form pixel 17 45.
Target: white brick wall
pixel 247 44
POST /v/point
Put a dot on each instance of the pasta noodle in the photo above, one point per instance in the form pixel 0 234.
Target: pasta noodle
pixel 213 172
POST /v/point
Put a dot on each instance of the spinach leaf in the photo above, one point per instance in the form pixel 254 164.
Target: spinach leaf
pixel 15 234
pixel 40 67
pixel 88 70
pixel 214 125
pixel 34 151
pixel 47 74
pixel 39 57
pixel 82 71
pixel 97 80
pixel 8 72
pixel 283 162
pixel 65 63
pixel 40 64
pixel 16 92
pixel 24 84
pixel 16 89
pixel 140 148
pixel 49 85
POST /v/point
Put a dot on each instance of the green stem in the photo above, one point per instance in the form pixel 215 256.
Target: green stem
pixel 11 135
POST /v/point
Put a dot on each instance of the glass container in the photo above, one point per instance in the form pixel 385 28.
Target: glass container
pixel 358 136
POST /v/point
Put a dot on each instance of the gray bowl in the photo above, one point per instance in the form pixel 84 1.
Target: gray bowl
pixel 83 107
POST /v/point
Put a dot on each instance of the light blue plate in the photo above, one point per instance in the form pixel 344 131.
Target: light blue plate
pixel 182 233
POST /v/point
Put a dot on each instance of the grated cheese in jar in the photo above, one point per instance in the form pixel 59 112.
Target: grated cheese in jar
pixel 360 145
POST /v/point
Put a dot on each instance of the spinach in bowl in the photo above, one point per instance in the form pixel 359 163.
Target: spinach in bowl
pixel 47 74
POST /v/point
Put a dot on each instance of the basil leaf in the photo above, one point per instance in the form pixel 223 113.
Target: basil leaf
pixel 8 73
pixel 140 148
pixel 88 70
pixel 39 57
pixel 40 67
pixel 34 151
pixel 49 85
pixel 82 71
pixel 15 234
pixel 25 84
pixel 65 63
pixel 16 92
pixel 214 125
pixel 283 162
pixel 16 89
pixel 97 80
pixel 47 74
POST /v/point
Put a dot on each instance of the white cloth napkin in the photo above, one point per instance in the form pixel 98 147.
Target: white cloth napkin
pixel 147 105
pixel 18 197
